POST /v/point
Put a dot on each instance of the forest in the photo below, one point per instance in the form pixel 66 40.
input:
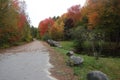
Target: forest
pixel 94 28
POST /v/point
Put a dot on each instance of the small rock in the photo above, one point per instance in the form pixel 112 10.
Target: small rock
pixel 70 53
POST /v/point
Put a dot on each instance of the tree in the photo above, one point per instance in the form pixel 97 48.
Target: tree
pixel 102 17
pixel 26 33
pixel 72 19
pixel 68 25
pixel 74 13
pixel 45 25
pixel 12 20
pixel 8 22
pixel 56 31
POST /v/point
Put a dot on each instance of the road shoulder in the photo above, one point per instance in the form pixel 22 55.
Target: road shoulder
pixel 60 70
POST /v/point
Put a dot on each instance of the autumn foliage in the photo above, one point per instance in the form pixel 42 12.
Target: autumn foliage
pixel 45 25
pixel 13 22
pixel 56 31
pixel 74 13
pixel 58 28
pixel 94 25
pixel 100 20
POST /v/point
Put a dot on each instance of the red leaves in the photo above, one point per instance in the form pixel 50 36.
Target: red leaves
pixel 21 20
pixel 21 17
pixel 74 13
pixel 45 25
pixel 93 20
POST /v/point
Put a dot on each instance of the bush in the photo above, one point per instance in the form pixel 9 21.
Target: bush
pixel 46 37
pixel 4 46
pixel 78 46
pixel 79 37
pixel 110 49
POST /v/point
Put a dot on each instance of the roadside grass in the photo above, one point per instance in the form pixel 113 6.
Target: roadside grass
pixel 109 66
pixel 4 46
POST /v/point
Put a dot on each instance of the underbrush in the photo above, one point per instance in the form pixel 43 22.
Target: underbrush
pixel 109 66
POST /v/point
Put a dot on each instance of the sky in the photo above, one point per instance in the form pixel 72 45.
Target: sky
pixel 39 10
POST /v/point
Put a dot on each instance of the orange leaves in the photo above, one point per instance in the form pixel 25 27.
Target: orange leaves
pixel 101 12
pixel 93 10
pixel 93 19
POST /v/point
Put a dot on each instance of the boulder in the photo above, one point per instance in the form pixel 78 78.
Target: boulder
pixel 70 53
pixel 56 44
pixel 74 60
pixel 53 43
pixel 96 75
pixel 50 42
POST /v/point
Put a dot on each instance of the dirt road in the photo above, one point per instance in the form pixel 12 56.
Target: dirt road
pixel 26 62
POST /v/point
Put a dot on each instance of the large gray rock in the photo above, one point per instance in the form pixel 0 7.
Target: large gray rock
pixel 96 75
pixel 74 60
pixel 50 42
pixel 53 43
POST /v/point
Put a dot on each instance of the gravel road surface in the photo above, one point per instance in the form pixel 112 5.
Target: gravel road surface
pixel 26 62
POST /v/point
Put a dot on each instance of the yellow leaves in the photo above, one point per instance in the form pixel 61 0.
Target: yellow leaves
pixel 64 16
pixel 56 31
pixel 84 11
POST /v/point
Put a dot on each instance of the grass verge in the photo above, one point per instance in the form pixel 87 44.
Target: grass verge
pixel 110 66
